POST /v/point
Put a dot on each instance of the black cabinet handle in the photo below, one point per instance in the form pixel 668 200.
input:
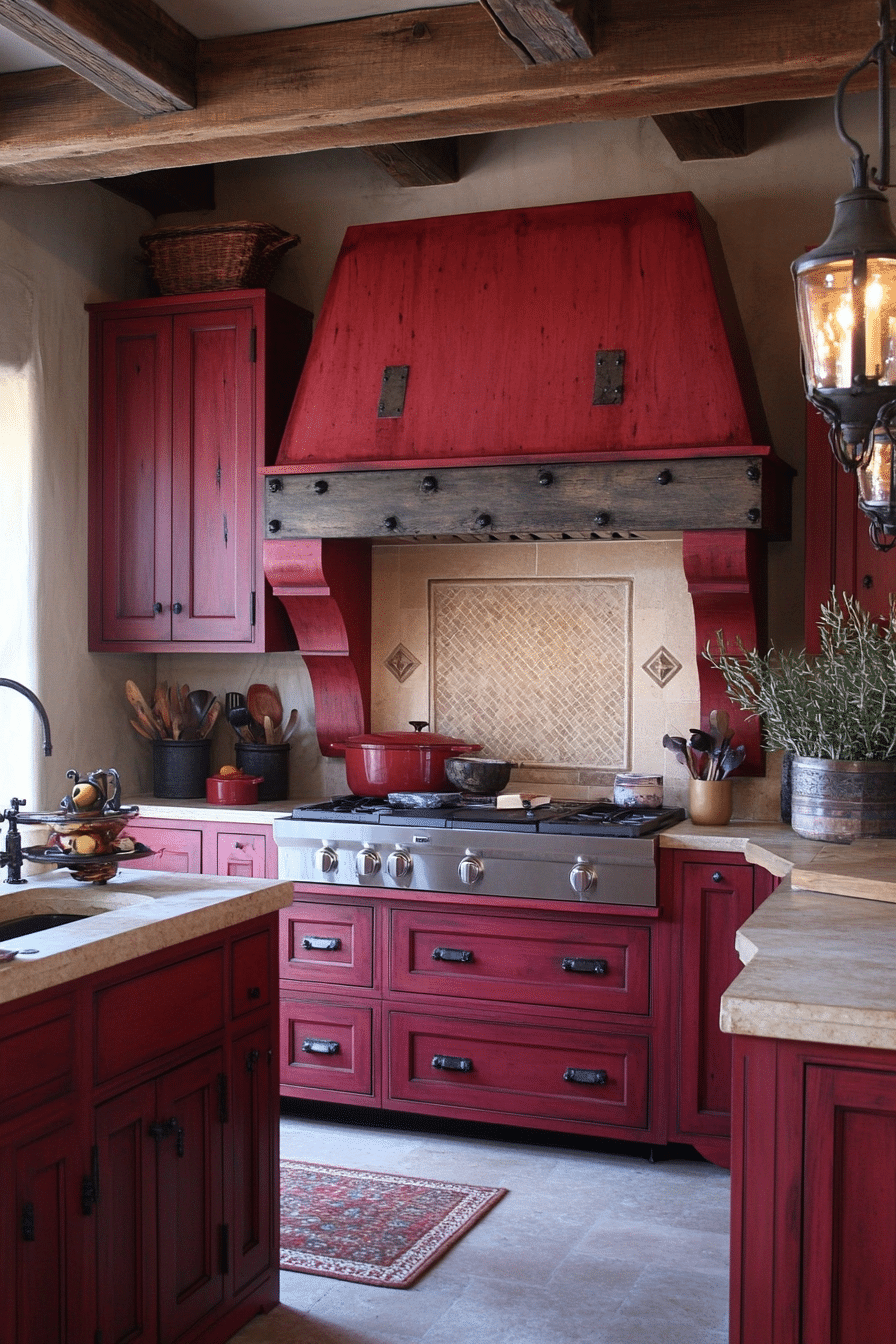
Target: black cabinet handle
pixel 160 1129
pixel 451 954
pixel 253 992
pixel 585 965
pixel 312 944
pixel 312 1046
pixel 252 1058
pixel 717 877
pixel 594 1077
pixel 456 1063
pixel 177 608
pixel 157 608
pixel 28 1222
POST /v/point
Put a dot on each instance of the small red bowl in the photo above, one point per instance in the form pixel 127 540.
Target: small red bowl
pixel 232 790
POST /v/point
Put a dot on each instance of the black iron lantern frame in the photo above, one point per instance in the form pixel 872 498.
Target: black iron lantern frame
pixel 846 309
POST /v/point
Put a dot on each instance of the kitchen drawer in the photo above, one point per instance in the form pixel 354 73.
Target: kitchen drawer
pixel 36 1055
pixel 326 1047
pixel 149 1015
pixel 244 854
pixel 340 938
pixel 511 960
pixel 250 980
pixel 173 850
pixel 520 1071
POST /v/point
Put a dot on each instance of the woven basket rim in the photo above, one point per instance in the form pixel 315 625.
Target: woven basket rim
pixel 197 230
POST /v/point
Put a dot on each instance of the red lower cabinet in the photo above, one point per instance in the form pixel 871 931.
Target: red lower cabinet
pixel 813 1194
pixel 138 1169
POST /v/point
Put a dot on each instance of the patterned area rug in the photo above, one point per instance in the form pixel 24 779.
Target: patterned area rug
pixel 370 1228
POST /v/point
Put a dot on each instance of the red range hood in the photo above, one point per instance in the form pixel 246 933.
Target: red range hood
pixel 565 371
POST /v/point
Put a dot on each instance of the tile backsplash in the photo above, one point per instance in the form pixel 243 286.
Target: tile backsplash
pixel 571 658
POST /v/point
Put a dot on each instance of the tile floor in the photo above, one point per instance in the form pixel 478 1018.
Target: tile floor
pixel 587 1246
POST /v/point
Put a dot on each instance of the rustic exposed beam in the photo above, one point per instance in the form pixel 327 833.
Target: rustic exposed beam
pixel 131 49
pixel 379 81
pixel 540 31
pixel 166 191
pixel 713 133
pixel 419 163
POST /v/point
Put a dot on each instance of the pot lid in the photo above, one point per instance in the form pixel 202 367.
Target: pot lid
pixel 405 740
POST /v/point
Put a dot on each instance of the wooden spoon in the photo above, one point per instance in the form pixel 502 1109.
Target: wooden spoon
pixel 290 726
pixel 160 704
pixel 262 701
pixel 142 709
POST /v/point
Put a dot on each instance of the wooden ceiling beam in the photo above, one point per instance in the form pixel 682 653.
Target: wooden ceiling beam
pixel 166 191
pixel 541 31
pixel 419 163
pixel 713 133
pixel 131 49
pixel 425 75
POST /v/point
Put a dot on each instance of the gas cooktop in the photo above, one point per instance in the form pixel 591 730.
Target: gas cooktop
pixel 566 817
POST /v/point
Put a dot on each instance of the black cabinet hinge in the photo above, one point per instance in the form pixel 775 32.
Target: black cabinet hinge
pixel 225 1248
pixel 90 1185
pixel 223 1113
pixel 253 345
pixel 252 607
pixel 28 1221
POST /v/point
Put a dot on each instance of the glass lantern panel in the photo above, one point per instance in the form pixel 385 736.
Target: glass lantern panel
pixel 875 479
pixel 828 305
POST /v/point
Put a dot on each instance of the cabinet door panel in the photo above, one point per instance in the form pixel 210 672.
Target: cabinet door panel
pixel 135 478
pixel 189 1165
pixel 213 488
pixel 254 1155
pixel 45 1280
pixel 243 854
pixel 849 1205
pixel 715 899
pixel 126 1217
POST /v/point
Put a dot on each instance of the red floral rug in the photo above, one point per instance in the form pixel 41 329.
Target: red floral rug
pixel 370 1228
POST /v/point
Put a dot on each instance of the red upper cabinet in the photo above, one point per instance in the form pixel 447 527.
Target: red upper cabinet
pixel 189 396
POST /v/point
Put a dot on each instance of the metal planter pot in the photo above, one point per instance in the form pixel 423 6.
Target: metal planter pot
pixel 840 801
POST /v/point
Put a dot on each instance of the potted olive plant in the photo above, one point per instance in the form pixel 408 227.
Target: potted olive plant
pixel 835 711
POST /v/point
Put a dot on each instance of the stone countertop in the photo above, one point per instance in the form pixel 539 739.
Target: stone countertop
pixel 817 967
pixel 197 809
pixel 134 913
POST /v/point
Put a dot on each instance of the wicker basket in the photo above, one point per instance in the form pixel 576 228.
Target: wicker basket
pixel 202 257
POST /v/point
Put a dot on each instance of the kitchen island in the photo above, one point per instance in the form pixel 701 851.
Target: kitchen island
pixel 813 1148
pixel 138 1131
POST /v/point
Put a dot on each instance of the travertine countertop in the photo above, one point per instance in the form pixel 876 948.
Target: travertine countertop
pixel 817 967
pixel 134 913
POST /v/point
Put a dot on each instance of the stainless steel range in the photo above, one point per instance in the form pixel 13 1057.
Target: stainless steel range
pixel 564 851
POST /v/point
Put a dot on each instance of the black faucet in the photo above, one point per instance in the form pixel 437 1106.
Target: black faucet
pixel 11 856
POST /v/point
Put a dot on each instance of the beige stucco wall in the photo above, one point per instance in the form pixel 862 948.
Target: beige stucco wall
pixel 78 243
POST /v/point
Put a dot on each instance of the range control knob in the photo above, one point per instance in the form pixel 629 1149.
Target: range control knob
pixel 582 878
pixel 399 863
pixel 470 869
pixel 326 860
pixel 367 862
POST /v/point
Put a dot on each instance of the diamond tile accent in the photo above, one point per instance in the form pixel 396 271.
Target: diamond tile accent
pixel 401 663
pixel 538 671
pixel 662 666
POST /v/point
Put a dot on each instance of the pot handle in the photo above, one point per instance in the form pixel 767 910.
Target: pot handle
pixel 338 748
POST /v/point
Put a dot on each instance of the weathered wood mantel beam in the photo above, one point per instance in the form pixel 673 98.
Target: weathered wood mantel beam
pixel 425 75
pixel 131 49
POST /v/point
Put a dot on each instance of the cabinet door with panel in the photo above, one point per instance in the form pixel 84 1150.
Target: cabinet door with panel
pixel 42 1232
pixel 174 849
pixel 188 400
pixel 711 895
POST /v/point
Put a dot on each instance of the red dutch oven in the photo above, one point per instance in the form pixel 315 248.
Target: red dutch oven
pixel 381 763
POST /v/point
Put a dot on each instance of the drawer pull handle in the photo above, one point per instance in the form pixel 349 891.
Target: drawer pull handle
pixel 596 1077
pixel 311 1046
pixel 252 1058
pixel 451 954
pixel 585 965
pixel 455 1062
pixel 312 944
pixel 254 992
pixel 160 1129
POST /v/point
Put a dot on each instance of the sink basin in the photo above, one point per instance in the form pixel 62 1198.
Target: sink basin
pixel 17 928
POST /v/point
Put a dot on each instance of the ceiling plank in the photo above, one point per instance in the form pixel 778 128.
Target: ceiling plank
pixel 166 191
pixel 425 75
pixel 419 163
pixel 713 133
pixel 541 31
pixel 131 49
